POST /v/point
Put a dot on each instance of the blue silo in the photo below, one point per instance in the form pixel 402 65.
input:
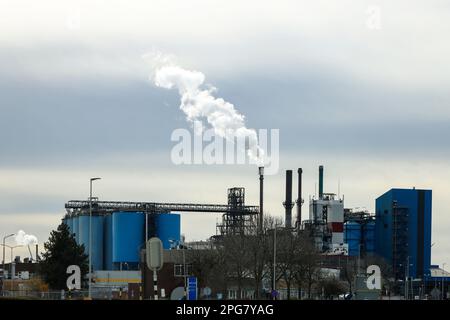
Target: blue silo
pixel 75 225
pixel 107 243
pixel 167 228
pixel 127 237
pixel 352 236
pixel 369 237
pixel 65 220
pixel 97 238
pixel 69 222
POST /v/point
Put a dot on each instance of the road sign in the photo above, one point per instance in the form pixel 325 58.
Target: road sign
pixel 192 288
pixel 154 254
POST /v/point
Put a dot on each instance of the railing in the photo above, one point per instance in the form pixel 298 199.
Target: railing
pixel 159 207
pixel 97 294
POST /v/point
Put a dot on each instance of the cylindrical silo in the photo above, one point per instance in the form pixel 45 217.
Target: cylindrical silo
pixel 83 232
pixel 167 228
pixel 107 243
pixel 75 228
pixel 97 238
pixel 352 236
pixel 127 236
pixel 369 237
pixel 69 222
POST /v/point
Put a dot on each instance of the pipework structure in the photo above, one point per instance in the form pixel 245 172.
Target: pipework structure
pixel 237 220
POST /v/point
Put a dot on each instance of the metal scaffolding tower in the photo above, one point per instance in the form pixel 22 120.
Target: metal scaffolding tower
pixel 399 240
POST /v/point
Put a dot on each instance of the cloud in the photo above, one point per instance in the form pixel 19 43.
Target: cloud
pixel 24 239
pixel 370 105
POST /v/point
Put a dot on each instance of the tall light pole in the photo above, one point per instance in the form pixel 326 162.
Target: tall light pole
pixel 261 199
pixel 274 283
pixel 90 234
pixel 442 282
pixel 3 261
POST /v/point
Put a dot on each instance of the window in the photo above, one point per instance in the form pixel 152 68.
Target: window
pixel 178 270
pixel 232 294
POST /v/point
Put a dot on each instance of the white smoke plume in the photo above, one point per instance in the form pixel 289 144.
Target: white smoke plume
pixel 25 239
pixel 199 104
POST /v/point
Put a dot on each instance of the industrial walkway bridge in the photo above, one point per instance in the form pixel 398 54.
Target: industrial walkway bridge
pixel 75 206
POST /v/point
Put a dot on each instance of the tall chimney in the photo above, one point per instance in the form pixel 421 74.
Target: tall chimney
pixel 320 182
pixel 261 198
pixel 288 204
pixel 37 253
pixel 299 199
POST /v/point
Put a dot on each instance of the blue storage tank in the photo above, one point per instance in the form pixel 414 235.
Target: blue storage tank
pixel 127 236
pixel 97 239
pixel 369 237
pixel 352 236
pixel 167 228
pixel 69 222
pixel 65 220
pixel 75 225
pixel 107 243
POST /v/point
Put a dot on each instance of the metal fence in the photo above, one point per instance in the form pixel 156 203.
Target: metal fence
pixel 97 293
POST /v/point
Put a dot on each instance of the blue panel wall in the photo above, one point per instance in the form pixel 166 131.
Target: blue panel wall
pixel 419 206
pixel 127 236
pixel 369 237
pixel 168 227
pixel 352 236
pixel 383 226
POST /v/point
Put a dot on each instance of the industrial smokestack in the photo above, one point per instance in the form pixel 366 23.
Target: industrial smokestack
pixel 299 199
pixel 37 253
pixel 261 198
pixel 288 204
pixel 320 182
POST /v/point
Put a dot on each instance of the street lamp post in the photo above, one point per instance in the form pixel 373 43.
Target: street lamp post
pixel 274 283
pixel 274 257
pixel 442 282
pixel 3 261
pixel 184 274
pixel 90 234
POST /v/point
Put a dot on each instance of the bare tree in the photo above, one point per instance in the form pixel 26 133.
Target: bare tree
pixel 349 271
pixel 208 266
pixel 307 268
pixel 290 251
pixel 258 245
pixel 236 259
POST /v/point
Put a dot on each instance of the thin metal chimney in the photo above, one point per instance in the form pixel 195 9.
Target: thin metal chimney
pixel 37 253
pixel 288 204
pixel 261 198
pixel 320 182
pixel 299 199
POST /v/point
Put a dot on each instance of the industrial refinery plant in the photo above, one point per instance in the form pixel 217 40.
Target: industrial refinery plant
pixel 344 241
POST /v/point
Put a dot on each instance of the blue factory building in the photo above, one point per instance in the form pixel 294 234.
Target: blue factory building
pixel 118 237
pixel 403 231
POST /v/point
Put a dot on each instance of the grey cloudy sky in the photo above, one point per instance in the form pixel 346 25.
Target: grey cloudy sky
pixel 372 105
